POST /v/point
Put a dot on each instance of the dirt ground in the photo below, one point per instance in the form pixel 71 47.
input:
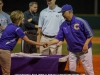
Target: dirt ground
pixel 96 65
pixel 96 40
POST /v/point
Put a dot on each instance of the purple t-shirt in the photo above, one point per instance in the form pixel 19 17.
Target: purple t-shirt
pixel 10 37
pixel 75 32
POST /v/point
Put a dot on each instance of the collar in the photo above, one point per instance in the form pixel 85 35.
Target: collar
pixel 54 10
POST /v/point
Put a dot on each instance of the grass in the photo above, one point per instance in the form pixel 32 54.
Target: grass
pixel 96 33
pixel 95 49
pixel 17 48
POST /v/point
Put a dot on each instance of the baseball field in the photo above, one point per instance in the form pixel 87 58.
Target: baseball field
pixel 95 51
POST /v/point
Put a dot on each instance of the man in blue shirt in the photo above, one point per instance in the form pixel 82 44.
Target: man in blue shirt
pixel 78 35
pixel 4 19
pixel 9 39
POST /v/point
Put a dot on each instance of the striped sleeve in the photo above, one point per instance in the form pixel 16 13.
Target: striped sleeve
pixel 86 28
pixel 19 32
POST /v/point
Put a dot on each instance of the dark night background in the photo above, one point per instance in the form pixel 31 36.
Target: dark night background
pixel 79 6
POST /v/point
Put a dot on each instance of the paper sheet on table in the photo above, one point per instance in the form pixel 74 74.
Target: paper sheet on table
pixel 26 55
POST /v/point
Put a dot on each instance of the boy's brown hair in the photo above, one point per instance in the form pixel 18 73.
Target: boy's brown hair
pixel 16 16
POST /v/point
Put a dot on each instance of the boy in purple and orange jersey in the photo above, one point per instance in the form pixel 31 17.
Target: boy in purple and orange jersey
pixel 9 39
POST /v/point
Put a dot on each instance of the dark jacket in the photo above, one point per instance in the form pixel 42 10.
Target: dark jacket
pixel 30 26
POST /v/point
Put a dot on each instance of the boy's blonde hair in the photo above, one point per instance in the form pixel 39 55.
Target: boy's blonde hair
pixel 16 16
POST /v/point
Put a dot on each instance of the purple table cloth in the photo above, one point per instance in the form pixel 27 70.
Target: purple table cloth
pixel 35 65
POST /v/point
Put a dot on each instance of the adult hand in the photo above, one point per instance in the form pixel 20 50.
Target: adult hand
pixel 2 27
pixel 85 49
pixel 45 45
pixel 36 26
pixel 25 32
pixel 38 47
pixel 29 20
pixel 59 44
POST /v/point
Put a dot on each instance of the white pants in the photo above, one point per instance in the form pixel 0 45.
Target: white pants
pixel 52 48
pixel 22 45
pixel 86 61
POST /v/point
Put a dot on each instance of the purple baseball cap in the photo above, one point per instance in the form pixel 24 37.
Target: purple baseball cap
pixel 66 8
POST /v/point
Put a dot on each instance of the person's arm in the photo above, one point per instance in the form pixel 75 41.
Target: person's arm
pixel 2 27
pixel 85 47
pixel 38 37
pixel 54 41
pixel 25 38
pixel 21 34
pixel 8 21
pixel 88 33
pixel 39 34
pixel 59 43
pixel 35 19
pixel 27 22
pixel 58 38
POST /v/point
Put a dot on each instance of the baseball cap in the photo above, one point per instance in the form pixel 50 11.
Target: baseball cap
pixel 66 8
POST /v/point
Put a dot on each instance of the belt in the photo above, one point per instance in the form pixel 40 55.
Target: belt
pixel 48 36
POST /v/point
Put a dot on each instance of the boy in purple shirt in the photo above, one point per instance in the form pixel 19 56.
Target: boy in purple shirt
pixel 78 35
pixel 9 39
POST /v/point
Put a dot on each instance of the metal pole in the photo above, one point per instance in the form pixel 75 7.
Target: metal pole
pixel 95 7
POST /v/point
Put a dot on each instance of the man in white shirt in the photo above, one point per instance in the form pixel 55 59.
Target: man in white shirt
pixel 49 23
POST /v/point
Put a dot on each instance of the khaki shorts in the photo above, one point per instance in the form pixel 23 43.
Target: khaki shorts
pixel 53 49
pixel 5 61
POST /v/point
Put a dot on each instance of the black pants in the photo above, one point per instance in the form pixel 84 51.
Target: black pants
pixel 28 48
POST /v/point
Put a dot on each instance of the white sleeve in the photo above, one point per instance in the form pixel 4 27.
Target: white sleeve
pixel 62 19
pixel 41 19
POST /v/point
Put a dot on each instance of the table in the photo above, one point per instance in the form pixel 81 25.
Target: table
pixel 51 64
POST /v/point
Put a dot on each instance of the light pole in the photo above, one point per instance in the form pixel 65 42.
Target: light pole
pixel 95 7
